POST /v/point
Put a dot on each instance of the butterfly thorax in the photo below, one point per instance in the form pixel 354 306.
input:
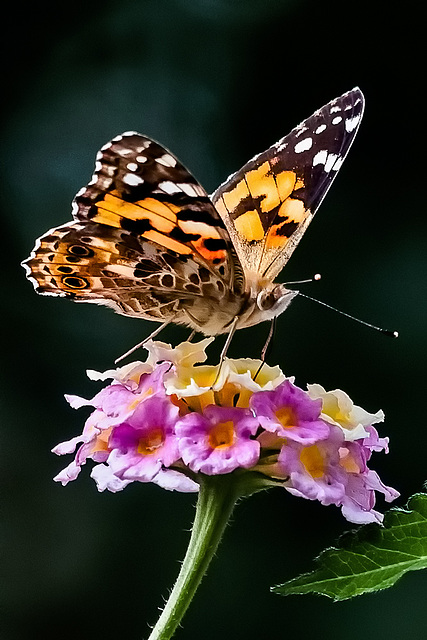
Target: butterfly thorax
pixel 261 301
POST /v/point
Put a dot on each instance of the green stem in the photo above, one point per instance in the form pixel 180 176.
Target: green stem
pixel 217 497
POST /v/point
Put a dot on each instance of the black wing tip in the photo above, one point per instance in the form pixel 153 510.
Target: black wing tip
pixel 356 98
pixel 353 96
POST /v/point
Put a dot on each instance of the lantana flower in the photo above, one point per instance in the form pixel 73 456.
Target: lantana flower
pixel 175 421
pixel 218 440
pixel 290 413
pixel 146 441
pixel 339 409
pixel 334 471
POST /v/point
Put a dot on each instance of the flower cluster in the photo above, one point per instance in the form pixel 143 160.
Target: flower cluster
pixel 170 419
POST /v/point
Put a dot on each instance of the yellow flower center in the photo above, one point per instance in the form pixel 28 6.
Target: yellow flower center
pixel 312 460
pixel 151 442
pixel 286 416
pixel 132 405
pixel 101 442
pixel 221 435
pixel 347 461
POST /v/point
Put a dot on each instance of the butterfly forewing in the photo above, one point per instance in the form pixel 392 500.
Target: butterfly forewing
pixel 141 187
pixel 145 235
pixel 269 203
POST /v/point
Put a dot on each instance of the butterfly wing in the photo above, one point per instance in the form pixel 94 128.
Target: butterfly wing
pixel 269 203
pixel 146 239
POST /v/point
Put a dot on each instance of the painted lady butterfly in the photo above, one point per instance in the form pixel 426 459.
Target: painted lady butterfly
pixel 149 242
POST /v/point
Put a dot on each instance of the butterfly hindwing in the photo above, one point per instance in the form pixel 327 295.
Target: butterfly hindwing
pixel 269 203
pixel 89 262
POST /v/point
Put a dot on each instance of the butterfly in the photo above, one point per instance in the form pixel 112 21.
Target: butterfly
pixel 148 241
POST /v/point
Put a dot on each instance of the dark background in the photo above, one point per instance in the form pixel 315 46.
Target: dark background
pixel 216 82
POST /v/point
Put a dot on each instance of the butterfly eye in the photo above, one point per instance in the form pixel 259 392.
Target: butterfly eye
pixel 266 300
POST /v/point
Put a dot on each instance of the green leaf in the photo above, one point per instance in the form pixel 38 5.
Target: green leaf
pixel 369 559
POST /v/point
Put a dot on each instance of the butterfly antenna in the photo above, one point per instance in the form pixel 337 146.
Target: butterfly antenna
pixel 386 332
pixel 316 277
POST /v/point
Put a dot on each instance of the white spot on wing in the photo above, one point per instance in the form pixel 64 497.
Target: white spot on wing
pixel 166 160
pixel 299 130
pixel 132 180
pixel 303 145
pixel 320 128
pixel 338 164
pixel 169 187
pixel 132 166
pixel 281 145
pixel 143 145
pixel 336 120
pixel 320 157
pixel 335 108
pixel 192 190
pixel 330 161
pixel 351 123
pixel 141 159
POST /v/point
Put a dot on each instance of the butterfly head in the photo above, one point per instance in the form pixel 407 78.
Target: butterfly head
pixel 273 300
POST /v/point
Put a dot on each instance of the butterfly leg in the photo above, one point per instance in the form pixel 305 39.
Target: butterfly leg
pixel 266 346
pixel 191 336
pixel 225 349
pixel 150 337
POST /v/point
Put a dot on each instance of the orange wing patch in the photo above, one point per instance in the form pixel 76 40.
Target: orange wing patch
pixel 235 196
pixel 112 209
pixel 249 226
pixel 159 222
pixel 269 188
pixel 166 242
pixel 291 214
pixel 262 212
